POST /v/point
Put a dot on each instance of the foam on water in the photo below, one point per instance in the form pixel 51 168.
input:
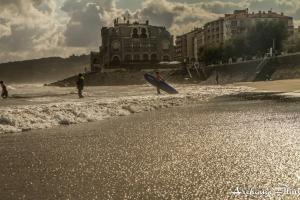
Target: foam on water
pixel 27 117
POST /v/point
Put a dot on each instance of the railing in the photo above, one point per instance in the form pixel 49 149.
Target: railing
pixel 262 64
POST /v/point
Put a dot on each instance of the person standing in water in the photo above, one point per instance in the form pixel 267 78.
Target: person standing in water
pixel 80 85
pixel 4 93
pixel 158 78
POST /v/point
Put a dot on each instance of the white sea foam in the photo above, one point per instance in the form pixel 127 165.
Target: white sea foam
pixel 47 115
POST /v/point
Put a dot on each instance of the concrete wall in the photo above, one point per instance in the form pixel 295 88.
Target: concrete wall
pixel 238 72
pixel 288 67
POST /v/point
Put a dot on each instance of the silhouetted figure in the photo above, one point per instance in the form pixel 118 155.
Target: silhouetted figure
pixel 80 85
pixel 4 93
pixel 217 77
pixel 158 78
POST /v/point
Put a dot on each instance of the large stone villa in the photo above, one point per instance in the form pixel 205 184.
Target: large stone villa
pixel 133 44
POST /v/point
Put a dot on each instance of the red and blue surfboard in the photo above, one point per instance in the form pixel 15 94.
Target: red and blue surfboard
pixel 161 84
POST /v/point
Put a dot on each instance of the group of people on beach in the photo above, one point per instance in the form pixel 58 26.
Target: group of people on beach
pixel 79 85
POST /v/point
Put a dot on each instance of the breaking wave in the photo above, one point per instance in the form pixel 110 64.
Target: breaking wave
pixel 27 117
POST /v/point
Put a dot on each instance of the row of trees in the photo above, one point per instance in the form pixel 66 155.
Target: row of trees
pixel 255 42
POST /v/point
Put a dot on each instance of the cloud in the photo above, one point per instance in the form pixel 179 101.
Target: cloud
pixel 84 26
pixel 39 28
pixel 27 26
pixel 86 19
pixel 223 7
pixel 176 16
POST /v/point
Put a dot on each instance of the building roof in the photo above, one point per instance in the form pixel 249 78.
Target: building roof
pixel 260 14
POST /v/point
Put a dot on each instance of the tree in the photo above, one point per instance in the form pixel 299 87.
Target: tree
pixel 261 36
pixel 255 42
pixel 212 54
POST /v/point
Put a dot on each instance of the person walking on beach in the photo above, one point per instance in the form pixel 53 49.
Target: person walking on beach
pixel 217 77
pixel 4 93
pixel 158 78
pixel 80 85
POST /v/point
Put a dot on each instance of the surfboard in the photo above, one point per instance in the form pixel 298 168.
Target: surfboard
pixel 161 84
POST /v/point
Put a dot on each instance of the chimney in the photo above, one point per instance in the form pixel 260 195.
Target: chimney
pixel 147 22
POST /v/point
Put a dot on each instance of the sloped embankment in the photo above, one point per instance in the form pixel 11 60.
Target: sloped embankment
pixel 231 73
pixel 288 67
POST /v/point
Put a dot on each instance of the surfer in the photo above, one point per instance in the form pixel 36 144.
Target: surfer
pixel 158 78
pixel 4 93
pixel 80 85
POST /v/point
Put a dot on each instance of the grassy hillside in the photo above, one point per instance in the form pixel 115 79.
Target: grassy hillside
pixel 43 70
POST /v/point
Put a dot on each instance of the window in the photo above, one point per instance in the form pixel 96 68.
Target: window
pixel 145 57
pixel 166 58
pixel 115 61
pixel 233 23
pixel 128 58
pixel 136 57
pixel 144 33
pixel 153 57
pixel 135 33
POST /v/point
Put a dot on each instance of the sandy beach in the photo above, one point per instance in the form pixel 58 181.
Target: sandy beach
pixel 206 143
pixel 207 151
pixel 291 85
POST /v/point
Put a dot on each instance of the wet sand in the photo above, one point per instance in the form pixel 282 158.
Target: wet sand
pixel 292 85
pixel 204 151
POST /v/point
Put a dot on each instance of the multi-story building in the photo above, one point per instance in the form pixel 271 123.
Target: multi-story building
pixel 127 44
pixel 187 45
pixel 181 47
pixel 241 20
pixel 214 32
pixel 296 33
pixel 217 32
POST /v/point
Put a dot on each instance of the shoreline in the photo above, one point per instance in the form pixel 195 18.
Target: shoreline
pixel 68 111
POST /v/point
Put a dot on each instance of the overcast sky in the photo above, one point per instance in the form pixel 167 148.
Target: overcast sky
pixel 43 28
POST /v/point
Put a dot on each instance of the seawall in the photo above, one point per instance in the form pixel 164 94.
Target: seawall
pixel 281 67
pixel 230 73
pixel 288 67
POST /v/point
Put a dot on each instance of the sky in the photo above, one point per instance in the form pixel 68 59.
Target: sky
pixel 31 29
